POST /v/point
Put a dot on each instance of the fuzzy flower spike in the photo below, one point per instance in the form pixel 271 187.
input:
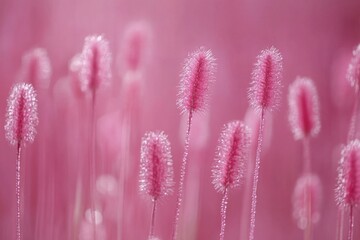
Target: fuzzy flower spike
pixel 230 160
pixel 264 95
pixel 304 114
pixel 156 169
pixel 196 79
pixel 20 127
pixel 96 63
pixel 348 183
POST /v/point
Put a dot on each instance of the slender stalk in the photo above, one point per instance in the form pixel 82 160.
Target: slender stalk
pixel 182 177
pixel 353 122
pixel 308 197
pixel 152 223
pixel 224 203
pixel 256 176
pixel 92 163
pixel 308 229
pixel 340 224
pixel 18 192
pixel 307 158
pixel 351 223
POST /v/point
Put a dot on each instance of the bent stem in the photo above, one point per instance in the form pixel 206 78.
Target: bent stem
pixel 152 223
pixel 18 192
pixel 182 177
pixel 351 223
pixel 256 177
pixel 223 214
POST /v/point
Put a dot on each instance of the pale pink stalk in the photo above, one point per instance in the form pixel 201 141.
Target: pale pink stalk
pixel 347 192
pixel 228 171
pixel 196 79
pixel 307 198
pixel 95 72
pixel 264 95
pixel 251 119
pixel 20 127
pixel 156 169
pixel 192 196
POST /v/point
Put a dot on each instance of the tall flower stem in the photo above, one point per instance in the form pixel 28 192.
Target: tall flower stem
pixel 308 197
pixel 92 163
pixel 351 224
pixel 256 176
pixel 354 117
pixel 18 192
pixel 224 203
pixel 182 177
pixel 152 223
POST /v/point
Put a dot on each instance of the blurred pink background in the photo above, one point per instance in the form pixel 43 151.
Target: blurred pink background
pixel 316 39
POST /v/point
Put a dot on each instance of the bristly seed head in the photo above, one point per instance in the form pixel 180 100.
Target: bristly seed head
pixel 347 192
pixel 353 72
pixel 21 114
pixel 265 89
pixel 156 165
pixel 304 116
pixel 96 63
pixel 233 150
pixel 196 79
pixel 36 68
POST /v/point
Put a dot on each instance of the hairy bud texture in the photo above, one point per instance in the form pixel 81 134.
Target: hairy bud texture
pixel 36 68
pixel 304 114
pixel 232 152
pixel 265 89
pixel 96 63
pixel 196 79
pixel 156 166
pixel 21 114
pixel 353 73
pixel 348 182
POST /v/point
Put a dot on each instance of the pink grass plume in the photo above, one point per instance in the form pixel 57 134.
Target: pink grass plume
pixel 264 95
pixel 36 68
pixel 136 46
pixel 353 72
pixel 306 201
pixel 156 169
pixel 20 128
pixel 304 116
pixel 265 89
pixel 228 171
pixel 21 114
pixel 96 63
pixel 196 79
pixel 347 192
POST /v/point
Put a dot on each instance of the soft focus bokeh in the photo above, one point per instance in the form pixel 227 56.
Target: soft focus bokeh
pixel 316 39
